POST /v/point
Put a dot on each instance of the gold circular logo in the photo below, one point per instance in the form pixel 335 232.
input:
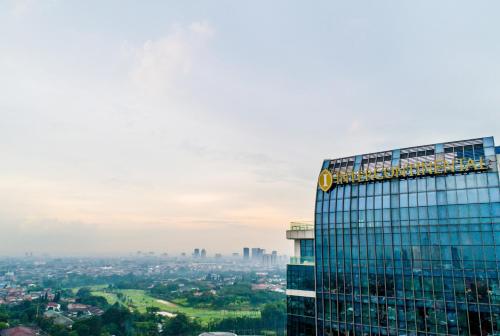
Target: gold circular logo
pixel 325 180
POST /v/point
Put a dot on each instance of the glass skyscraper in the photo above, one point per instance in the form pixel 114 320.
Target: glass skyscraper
pixel 300 286
pixel 407 242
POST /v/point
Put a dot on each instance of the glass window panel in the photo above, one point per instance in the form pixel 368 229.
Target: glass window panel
pixel 484 210
pixel 461 196
pixel 387 215
pixel 413 213
pixel 354 204
pixel 422 214
pixel 403 200
pixel 347 191
pixel 403 186
pixel 474 210
pixel 412 199
pixel 362 203
pixel 431 183
pixel 471 180
pixel 332 202
pixel 472 195
pixel 493 179
pixel 394 186
pixel 483 195
pixel 412 185
pixel 495 210
pixel 433 212
pixel 482 180
pixel 450 182
pixel 386 187
pixel 441 197
pixel 442 211
pixel 354 190
pixel 340 191
pixel 347 205
pixel 460 180
pixel 440 183
pixel 422 199
pixel 378 188
pixel 319 195
pixel 369 202
pixel 386 201
pixel 494 194
pixel 403 214
pixel 453 211
pixel 451 196
pixel 431 198
pixel 421 183
pixel 362 190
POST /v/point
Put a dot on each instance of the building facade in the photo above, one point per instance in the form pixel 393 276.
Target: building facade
pixel 407 242
pixel 300 290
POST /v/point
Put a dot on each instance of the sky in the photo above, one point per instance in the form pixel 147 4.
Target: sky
pixel 168 125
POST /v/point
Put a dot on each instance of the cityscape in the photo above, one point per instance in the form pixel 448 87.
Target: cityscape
pixel 244 293
pixel 232 168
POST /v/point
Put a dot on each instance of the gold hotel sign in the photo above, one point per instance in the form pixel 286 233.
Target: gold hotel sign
pixel 328 178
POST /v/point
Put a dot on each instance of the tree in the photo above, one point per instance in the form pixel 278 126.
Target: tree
pixel 273 316
pixel 118 317
pixel 181 325
pixel 83 292
pixel 88 327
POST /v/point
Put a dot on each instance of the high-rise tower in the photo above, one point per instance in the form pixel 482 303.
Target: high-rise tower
pixel 407 242
pixel 300 280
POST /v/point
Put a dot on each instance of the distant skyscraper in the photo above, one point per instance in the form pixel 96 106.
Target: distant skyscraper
pixel 266 259
pixel 274 257
pixel 203 253
pixel 257 253
pixel 246 253
pixel 196 253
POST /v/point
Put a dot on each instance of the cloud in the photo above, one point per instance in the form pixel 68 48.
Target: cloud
pixel 148 134
pixel 164 65
pixel 21 7
pixel 202 29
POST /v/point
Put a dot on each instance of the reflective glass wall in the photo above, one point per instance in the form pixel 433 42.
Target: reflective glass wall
pixel 410 256
pixel 300 316
pixel 301 279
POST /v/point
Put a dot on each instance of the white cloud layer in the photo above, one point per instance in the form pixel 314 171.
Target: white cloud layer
pixel 168 127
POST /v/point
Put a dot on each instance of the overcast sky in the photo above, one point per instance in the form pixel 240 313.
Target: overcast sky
pixel 168 125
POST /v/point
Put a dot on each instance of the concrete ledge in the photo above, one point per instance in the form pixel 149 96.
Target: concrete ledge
pixel 298 292
pixel 299 234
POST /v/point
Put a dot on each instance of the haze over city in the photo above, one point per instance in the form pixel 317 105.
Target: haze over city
pixel 164 126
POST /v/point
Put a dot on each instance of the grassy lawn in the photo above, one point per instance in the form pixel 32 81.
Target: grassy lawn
pixel 140 300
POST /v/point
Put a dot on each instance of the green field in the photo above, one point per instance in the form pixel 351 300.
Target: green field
pixel 140 300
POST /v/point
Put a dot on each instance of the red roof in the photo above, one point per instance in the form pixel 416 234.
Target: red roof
pixel 19 331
